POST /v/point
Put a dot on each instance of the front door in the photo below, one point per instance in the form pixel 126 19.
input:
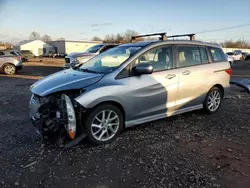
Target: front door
pixel 151 96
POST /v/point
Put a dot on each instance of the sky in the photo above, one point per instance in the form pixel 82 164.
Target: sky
pixel 83 19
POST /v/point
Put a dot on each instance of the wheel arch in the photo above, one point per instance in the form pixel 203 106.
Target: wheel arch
pixel 220 87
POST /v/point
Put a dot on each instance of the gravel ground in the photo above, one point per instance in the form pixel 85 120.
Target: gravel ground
pixel 190 150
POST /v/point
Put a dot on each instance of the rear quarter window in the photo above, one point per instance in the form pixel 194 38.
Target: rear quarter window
pixel 217 54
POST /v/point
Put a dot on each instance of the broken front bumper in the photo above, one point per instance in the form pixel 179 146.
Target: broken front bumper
pixel 56 121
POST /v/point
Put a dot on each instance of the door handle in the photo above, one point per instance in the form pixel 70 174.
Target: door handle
pixel 186 72
pixel 170 76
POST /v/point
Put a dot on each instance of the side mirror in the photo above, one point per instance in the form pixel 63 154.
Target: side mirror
pixel 142 68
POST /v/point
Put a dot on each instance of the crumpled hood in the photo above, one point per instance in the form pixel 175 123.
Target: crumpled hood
pixel 64 80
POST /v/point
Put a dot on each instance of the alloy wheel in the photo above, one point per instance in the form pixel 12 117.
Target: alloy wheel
pixel 9 69
pixel 105 125
pixel 214 100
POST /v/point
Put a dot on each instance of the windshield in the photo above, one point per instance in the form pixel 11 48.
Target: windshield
pixel 94 49
pixel 108 61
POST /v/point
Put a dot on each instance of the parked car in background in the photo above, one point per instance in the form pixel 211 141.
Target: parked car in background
pixel 230 54
pixel 247 57
pixel 244 55
pixel 26 54
pixel 230 59
pixel 77 58
pixel 237 55
pixel 128 85
pixel 10 62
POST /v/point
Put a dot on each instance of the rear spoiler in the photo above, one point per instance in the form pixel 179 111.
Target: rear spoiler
pixel 163 36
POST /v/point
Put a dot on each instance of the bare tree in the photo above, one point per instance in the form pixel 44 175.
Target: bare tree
pixel 106 38
pixel 96 38
pixel 235 44
pixel 119 38
pixel 45 38
pixel 128 34
pixel 109 39
pixel 34 35
pixel 6 45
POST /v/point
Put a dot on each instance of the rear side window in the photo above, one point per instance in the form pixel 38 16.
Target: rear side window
pixel 217 54
pixel 188 56
pixel 1 53
pixel 204 58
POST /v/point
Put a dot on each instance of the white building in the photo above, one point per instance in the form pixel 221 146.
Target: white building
pixel 69 46
pixel 37 47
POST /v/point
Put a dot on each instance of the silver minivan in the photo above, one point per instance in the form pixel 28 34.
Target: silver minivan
pixel 129 85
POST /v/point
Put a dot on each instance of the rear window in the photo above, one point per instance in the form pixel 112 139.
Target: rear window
pixel 217 54
pixel 230 53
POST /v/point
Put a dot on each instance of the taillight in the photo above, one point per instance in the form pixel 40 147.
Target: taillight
pixel 229 71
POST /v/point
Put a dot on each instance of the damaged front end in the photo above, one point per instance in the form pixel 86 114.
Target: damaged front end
pixel 58 118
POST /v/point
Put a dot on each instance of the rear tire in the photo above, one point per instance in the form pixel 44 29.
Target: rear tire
pixel 213 100
pixel 103 124
pixel 9 69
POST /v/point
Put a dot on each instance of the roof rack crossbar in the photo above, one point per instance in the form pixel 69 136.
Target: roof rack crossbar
pixel 191 36
pixel 163 36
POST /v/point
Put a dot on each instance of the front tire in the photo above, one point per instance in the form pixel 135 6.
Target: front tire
pixel 213 100
pixel 104 123
pixel 9 69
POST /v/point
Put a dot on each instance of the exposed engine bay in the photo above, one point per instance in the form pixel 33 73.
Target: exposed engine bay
pixel 58 118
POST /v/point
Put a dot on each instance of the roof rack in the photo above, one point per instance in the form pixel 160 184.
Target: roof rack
pixel 191 36
pixel 163 36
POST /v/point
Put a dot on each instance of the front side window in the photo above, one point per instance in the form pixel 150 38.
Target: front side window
pixel 160 58
pixel 188 56
pixel 109 60
pixel 217 54
pixel 94 49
